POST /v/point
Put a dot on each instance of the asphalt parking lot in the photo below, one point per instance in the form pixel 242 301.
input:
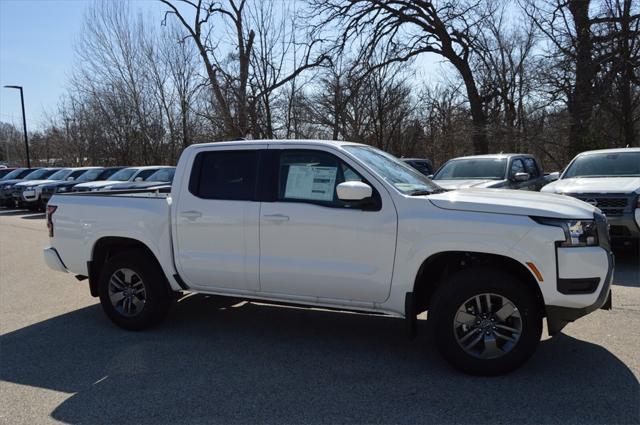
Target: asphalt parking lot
pixel 216 362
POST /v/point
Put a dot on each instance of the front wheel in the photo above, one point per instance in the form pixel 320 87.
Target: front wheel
pixel 486 322
pixel 133 291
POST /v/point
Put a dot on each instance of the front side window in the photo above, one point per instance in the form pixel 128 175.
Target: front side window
pixel 622 164
pixel 517 167
pixel 144 174
pixel 310 175
pixel 162 175
pixel 225 175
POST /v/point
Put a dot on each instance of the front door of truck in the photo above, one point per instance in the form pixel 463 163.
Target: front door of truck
pixel 314 245
pixel 216 241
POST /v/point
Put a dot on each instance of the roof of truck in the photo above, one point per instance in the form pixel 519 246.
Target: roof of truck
pixel 278 141
pixel 492 155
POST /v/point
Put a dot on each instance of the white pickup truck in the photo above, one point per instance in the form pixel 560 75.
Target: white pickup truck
pixel 342 226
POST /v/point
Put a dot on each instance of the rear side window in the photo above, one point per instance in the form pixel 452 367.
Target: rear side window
pixel 229 175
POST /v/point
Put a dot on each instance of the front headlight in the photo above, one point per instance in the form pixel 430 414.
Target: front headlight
pixel 62 189
pixel 576 232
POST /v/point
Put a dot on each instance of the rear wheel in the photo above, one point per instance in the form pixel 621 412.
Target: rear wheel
pixel 486 322
pixel 133 291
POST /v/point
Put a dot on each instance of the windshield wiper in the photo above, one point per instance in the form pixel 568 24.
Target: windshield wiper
pixel 420 192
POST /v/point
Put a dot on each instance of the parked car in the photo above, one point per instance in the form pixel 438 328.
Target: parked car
pixel 130 174
pixel 344 226
pixel 161 178
pixel 22 174
pixel 423 165
pixel 608 179
pixel 6 197
pixel 4 171
pixel 94 174
pixel 504 171
pixel 27 194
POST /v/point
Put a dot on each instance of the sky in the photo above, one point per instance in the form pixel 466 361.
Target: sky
pixel 36 52
pixel 37 40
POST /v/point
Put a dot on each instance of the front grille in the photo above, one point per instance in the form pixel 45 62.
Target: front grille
pixel 611 206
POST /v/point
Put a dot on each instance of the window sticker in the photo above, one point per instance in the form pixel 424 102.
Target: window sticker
pixel 313 183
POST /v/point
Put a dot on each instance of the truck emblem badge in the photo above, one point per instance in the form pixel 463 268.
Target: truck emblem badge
pixel 592 202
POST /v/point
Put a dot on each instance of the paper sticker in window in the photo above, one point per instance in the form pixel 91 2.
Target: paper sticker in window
pixel 313 183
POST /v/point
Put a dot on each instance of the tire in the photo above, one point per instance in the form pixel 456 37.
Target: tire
pixel 146 297
pixel 457 320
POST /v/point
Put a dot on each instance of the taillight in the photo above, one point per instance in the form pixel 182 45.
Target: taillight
pixel 50 210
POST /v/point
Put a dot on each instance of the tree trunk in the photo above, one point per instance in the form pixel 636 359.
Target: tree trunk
pixel 581 100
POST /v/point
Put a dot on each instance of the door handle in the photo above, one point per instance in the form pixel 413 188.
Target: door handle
pixel 191 215
pixel 276 217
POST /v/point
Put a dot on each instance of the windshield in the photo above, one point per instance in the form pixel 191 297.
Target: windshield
pixel 61 174
pixel 123 175
pixel 476 168
pixel 623 164
pixel 15 174
pixel 89 175
pixel 40 174
pixel 163 175
pixel 391 169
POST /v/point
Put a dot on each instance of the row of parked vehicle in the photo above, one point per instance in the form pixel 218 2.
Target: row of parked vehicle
pixel 32 188
pixel 608 179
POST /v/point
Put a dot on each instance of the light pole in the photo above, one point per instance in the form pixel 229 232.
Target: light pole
pixel 24 123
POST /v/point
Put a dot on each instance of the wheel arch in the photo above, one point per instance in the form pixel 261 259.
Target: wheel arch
pixel 433 272
pixel 106 247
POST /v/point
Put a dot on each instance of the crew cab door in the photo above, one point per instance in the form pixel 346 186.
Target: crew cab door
pixel 316 246
pixel 216 215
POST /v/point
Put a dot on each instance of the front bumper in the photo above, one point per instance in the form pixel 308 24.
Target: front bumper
pixel 625 226
pixel 53 260
pixel 559 316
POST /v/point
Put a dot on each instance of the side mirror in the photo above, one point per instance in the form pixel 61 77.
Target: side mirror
pixel 521 177
pixel 553 176
pixel 70 179
pixel 138 179
pixel 354 191
pixel 430 176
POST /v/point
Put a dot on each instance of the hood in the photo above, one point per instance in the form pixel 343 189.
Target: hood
pixel 514 202
pixel 60 183
pixel 467 183
pixel 36 182
pixel 98 184
pixel 10 182
pixel 595 185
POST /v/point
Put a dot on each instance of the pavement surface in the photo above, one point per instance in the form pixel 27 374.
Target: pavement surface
pixel 212 361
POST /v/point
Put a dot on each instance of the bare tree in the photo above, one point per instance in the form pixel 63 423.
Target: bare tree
pixel 403 29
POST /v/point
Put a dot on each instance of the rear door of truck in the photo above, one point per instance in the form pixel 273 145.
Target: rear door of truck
pixel 216 216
